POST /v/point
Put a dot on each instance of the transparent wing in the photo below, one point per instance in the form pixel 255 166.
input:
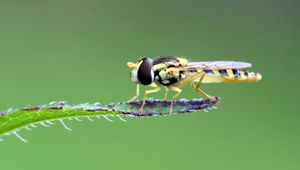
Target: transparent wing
pixel 211 65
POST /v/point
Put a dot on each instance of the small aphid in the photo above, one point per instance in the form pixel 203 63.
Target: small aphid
pixel 175 72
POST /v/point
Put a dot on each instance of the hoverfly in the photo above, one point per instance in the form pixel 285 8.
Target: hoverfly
pixel 175 72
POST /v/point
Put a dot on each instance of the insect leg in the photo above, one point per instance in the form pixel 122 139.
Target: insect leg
pixel 178 91
pixel 155 89
pixel 196 87
pixel 166 93
pixel 137 93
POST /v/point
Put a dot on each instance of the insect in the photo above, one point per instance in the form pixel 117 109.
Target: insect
pixel 175 72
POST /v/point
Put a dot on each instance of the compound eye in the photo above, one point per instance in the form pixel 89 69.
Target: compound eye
pixel 145 71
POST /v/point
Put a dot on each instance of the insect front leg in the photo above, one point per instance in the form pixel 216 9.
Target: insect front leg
pixel 196 87
pixel 137 94
pixel 155 89
pixel 178 91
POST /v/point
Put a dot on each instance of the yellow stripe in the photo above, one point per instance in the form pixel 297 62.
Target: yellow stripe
pixel 242 74
pixel 258 76
pixel 216 72
pixel 251 74
pixel 230 73
pixel 159 66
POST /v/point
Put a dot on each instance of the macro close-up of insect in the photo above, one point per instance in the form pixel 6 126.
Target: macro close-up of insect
pixel 151 85
pixel 175 72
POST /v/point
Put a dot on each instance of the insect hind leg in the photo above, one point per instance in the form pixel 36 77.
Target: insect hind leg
pixel 200 75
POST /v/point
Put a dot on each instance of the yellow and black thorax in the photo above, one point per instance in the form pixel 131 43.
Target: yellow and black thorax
pixel 166 70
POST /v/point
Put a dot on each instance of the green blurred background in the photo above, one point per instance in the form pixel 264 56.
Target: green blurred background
pixel 77 51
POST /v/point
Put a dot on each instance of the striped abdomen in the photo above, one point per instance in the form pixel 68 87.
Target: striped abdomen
pixel 230 75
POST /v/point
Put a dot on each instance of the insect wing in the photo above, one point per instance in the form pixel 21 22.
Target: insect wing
pixel 212 65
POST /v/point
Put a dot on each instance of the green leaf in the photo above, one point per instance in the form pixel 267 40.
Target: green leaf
pixel 12 120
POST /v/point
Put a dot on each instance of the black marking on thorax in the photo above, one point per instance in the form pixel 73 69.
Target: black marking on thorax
pixel 156 75
pixel 168 80
pixel 171 81
pixel 165 59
